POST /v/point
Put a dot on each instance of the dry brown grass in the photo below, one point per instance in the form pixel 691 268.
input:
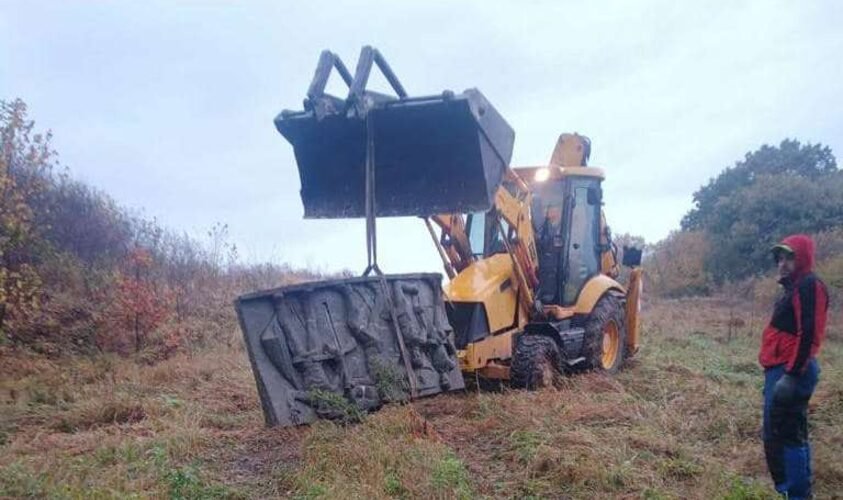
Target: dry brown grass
pixel 682 421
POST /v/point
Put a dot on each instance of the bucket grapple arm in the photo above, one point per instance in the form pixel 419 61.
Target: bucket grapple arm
pixel 443 153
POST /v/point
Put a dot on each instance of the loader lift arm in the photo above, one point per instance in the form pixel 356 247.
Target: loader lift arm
pixel 512 207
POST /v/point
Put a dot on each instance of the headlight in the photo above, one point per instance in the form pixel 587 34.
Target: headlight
pixel 542 175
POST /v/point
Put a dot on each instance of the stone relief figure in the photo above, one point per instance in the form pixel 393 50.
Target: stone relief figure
pixel 339 339
pixel 427 339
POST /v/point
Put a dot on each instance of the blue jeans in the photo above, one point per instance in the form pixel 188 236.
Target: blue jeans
pixel 786 444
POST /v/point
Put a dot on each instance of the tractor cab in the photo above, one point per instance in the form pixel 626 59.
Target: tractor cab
pixel 587 319
pixel 567 220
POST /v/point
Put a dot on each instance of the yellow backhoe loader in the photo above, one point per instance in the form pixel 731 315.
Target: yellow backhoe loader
pixel 532 268
pixel 533 286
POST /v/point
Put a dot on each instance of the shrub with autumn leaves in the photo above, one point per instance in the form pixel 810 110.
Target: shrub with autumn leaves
pixel 139 306
pixel 23 156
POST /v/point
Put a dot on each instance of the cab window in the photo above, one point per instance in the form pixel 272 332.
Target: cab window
pixel 475 227
pixel 583 242
pixel 484 236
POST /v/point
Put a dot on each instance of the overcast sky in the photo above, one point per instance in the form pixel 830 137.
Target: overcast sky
pixel 168 106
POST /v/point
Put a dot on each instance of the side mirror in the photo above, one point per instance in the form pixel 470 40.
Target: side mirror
pixel 631 256
pixel 595 196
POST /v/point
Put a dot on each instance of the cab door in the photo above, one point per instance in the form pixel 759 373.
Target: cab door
pixel 583 241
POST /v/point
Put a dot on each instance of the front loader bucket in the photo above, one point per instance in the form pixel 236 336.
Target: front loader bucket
pixel 439 154
pixel 330 348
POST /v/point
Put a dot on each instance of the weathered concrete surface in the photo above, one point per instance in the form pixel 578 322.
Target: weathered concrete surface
pixel 338 337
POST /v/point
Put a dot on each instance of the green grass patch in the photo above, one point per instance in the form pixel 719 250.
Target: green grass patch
pixel 451 476
pixel 335 407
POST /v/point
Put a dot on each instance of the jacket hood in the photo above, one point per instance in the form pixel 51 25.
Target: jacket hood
pixel 803 254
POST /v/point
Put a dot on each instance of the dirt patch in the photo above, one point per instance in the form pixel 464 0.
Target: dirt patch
pixel 252 459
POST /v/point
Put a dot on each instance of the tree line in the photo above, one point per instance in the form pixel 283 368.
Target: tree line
pixel 738 215
pixel 80 273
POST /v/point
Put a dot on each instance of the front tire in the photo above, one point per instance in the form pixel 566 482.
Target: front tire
pixel 535 362
pixel 604 347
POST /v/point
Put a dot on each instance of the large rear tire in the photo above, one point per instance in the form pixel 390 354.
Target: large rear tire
pixel 535 362
pixel 604 345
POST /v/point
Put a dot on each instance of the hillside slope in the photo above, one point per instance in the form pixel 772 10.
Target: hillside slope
pixel 681 422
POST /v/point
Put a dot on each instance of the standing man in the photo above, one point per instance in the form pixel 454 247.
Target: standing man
pixel 789 346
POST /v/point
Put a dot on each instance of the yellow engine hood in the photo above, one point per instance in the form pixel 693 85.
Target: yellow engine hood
pixel 482 279
pixel 490 282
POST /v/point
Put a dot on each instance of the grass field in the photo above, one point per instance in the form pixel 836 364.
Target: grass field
pixel 682 421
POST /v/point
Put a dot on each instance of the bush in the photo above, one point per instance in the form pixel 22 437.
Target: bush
pixel 675 266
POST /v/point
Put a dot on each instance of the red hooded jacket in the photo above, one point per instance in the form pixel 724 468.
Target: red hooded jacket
pixel 797 327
